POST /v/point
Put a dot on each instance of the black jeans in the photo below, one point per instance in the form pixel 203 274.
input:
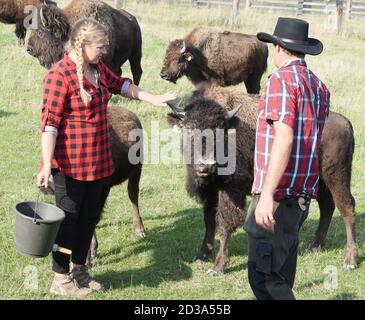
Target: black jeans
pixel 272 256
pixel 80 200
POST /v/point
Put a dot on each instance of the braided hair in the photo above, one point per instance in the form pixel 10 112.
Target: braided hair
pixel 85 32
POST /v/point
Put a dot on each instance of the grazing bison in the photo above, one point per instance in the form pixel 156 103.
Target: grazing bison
pixel 223 196
pixel 207 54
pixel 15 11
pixel 47 43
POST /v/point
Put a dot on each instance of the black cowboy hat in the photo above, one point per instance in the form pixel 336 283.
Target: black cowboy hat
pixel 292 34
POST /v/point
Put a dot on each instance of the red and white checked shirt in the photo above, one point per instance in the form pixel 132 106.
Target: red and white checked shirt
pixel 296 97
pixel 82 148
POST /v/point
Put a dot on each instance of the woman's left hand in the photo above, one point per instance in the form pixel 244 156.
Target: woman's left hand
pixel 160 100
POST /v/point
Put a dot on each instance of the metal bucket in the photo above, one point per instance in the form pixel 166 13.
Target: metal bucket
pixel 36 227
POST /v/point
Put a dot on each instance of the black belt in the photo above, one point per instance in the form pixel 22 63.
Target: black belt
pixel 303 200
pixel 302 195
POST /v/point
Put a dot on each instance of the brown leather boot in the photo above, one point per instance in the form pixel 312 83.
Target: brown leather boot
pixel 84 280
pixel 64 284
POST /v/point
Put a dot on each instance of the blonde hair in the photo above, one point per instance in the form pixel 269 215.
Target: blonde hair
pixel 85 32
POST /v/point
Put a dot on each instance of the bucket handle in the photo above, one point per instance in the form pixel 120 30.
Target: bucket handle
pixel 36 207
pixel 56 247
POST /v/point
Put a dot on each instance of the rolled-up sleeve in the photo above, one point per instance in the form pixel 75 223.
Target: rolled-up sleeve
pixel 54 95
pixel 115 83
pixel 280 101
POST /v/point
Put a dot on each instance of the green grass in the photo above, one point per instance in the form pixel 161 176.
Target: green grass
pixel 160 266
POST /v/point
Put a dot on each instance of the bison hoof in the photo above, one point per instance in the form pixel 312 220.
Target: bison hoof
pixel 349 267
pixel 91 261
pixel 140 234
pixel 213 273
pixel 200 257
pixel 315 248
pixel 350 263
pixel 352 253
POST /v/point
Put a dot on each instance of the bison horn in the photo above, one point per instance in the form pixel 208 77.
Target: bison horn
pixel 178 111
pixel 183 48
pixel 43 19
pixel 232 113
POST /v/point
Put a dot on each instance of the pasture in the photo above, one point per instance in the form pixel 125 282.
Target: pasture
pixel 160 266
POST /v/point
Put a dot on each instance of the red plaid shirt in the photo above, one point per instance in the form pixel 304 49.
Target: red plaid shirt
pixel 296 97
pixel 82 148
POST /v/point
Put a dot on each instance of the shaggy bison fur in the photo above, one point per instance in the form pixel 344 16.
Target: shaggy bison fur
pixel 120 122
pixel 14 12
pixel 209 54
pixel 48 43
pixel 223 196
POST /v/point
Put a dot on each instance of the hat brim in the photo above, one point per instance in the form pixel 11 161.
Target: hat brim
pixel 312 46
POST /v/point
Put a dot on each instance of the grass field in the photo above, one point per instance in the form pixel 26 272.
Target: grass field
pixel 160 266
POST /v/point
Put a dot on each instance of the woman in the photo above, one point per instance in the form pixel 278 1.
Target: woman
pixel 75 146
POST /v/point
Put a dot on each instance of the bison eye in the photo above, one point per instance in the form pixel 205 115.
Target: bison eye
pixel 40 33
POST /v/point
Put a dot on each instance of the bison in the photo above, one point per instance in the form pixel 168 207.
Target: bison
pixel 120 123
pixel 48 43
pixel 208 54
pixel 223 196
pixel 15 11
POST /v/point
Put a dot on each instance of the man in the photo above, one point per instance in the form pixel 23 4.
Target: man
pixel 292 114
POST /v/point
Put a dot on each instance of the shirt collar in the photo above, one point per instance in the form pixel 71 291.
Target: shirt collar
pixel 68 60
pixel 292 62
pixel 295 61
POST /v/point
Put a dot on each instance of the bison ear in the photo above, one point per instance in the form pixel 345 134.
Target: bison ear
pixel 188 56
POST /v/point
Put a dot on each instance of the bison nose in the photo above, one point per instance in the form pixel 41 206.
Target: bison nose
pixel 30 50
pixel 206 169
pixel 164 75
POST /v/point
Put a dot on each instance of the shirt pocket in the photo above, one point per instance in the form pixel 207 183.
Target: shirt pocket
pixel 264 251
pixel 79 111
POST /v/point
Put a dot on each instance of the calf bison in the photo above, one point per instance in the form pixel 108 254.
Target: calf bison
pixel 223 196
pixel 207 54
pixel 47 43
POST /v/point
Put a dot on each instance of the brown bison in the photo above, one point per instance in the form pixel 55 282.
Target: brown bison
pixel 15 12
pixel 207 54
pixel 120 123
pixel 47 43
pixel 223 195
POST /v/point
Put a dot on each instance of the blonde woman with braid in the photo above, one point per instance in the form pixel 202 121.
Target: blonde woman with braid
pixel 76 149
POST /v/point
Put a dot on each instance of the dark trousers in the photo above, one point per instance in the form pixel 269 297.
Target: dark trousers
pixel 272 256
pixel 80 200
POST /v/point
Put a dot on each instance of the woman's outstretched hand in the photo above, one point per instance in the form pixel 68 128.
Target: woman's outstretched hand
pixel 160 100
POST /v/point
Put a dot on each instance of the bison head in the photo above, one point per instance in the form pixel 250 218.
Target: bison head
pixel 47 42
pixel 209 151
pixel 177 59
